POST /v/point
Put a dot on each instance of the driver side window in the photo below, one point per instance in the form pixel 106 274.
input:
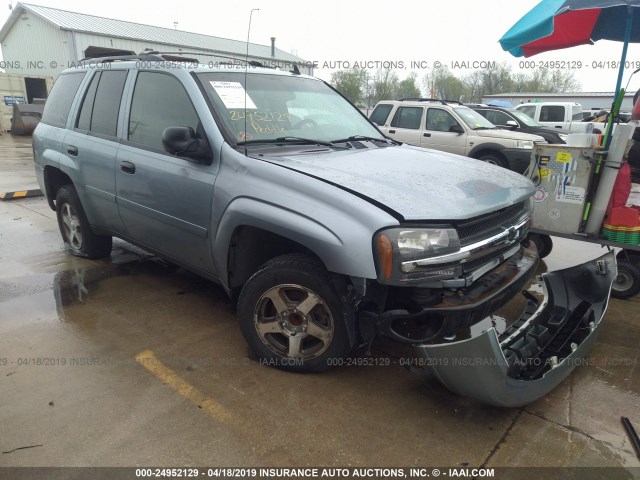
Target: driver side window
pixel 440 120
pixel 159 101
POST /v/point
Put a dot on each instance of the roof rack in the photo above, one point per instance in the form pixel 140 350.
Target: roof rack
pixel 124 58
pixel 420 99
pixel 156 56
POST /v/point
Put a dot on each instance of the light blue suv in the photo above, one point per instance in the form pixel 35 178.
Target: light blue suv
pixel 327 233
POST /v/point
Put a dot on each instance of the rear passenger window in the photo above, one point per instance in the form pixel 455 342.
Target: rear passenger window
pixel 407 117
pixel 58 105
pixel 159 101
pixel 84 119
pixel 99 110
pixel 380 114
pixel 552 113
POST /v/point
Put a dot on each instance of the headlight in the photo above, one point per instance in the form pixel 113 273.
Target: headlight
pixel 528 144
pixel 398 247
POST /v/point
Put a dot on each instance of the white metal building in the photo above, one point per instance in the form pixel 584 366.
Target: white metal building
pixel 588 100
pixel 44 41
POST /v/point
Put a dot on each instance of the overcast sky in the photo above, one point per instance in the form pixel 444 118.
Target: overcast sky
pixel 447 31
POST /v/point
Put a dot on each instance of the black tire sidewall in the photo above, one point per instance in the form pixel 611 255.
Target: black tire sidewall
pixel 287 272
pixel 493 159
pixel 92 245
pixel 543 243
pixel 634 273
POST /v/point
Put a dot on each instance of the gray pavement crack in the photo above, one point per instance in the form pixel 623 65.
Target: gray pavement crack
pixel 576 430
pixel 568 427
pixel 22 448
pixel 503 438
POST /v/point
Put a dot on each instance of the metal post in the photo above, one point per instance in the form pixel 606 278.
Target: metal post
pixel 627 38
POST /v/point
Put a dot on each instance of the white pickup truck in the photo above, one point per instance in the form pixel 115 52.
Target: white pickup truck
pixel 561 115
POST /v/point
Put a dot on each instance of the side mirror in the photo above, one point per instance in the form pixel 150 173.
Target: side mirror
pixel 512 124
pixel 456 129
pixel 183 142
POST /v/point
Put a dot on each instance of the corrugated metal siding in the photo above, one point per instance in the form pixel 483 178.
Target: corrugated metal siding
pixel 37 41
pixel 163 36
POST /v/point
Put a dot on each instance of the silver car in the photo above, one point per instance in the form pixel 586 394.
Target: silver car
pixel 327 233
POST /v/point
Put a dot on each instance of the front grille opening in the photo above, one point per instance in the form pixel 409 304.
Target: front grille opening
pixel 471 231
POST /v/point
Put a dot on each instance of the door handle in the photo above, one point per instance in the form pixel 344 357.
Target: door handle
pixel 128 167
pixel 558 126
pixel 426 134
pixel 72 150
pixel 392 131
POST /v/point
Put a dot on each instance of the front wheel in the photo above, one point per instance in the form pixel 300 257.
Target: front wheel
pixel 79 239
pixel 493 159
pixel 292 317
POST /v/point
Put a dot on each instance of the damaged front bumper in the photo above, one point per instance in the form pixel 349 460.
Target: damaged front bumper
pixel 539 350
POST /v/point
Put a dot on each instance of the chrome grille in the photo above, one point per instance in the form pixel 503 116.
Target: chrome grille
pixel 471 231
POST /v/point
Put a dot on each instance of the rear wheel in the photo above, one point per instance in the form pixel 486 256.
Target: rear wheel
pixel 79 239
pixel 494 159
pixel 627 283
pixel 292 317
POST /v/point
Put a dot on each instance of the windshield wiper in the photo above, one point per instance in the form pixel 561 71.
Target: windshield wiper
pixel 485 128
pixel 363 138
pixel 289 140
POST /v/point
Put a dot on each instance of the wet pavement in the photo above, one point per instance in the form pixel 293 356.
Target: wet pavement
pixel 131 361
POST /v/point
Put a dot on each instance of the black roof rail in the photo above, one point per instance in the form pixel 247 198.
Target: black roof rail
pixel 123 58
pixel 420 99
pixel 156 56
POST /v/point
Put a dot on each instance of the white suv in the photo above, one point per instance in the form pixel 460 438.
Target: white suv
pixel 453 127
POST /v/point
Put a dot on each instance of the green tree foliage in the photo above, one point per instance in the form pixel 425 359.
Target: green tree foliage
pixel 545 80
pixel 351 83
pixel 357 85
pixel 408 88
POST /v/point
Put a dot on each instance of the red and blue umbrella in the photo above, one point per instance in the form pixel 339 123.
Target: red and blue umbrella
pixel 557 24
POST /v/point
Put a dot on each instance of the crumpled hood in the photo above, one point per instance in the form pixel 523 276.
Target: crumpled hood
pixel 509 134
pixel 416 183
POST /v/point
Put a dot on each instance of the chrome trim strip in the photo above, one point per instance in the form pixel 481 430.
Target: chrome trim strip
pixel 506 237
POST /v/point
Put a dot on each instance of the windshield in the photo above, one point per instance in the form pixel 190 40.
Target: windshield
pixel 526 119
pixel 279 106
pixel 473 119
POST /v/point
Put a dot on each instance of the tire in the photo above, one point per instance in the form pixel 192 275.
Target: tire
pixel 79 239
pixel 543 243
pixel 494 159
pixel 627 283
pixel 306 340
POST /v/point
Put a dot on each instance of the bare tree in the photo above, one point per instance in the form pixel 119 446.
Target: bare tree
pixel 445 85
pixel 385 85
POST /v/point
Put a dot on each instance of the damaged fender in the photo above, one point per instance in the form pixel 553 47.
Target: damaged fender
pixel 539 350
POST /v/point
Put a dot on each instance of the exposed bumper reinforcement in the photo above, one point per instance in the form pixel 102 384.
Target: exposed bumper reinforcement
pixel 539 350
